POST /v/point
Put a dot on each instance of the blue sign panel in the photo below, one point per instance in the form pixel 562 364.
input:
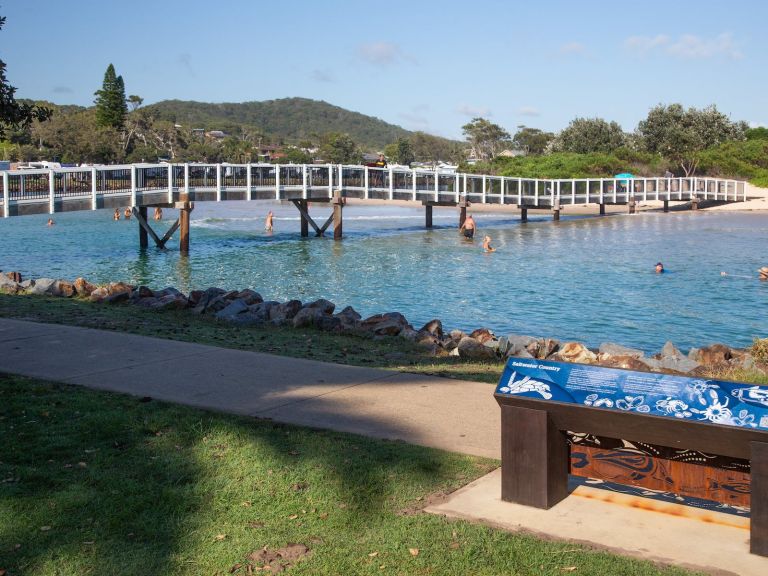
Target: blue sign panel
pixel 696 399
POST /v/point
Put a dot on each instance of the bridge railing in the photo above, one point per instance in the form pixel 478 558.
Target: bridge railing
pixel 273 180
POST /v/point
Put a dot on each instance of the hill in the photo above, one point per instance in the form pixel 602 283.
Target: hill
pixel 286 119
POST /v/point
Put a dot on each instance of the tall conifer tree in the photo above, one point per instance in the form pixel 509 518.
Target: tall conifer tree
pixel 111 106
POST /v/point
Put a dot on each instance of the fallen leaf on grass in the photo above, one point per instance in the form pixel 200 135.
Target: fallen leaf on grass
pixel 454 545
pixel 219 537
pixel 246 504
pixel 293 517
pixel 568 568
pixel 373 554
pixel 413 551
pixel 235 568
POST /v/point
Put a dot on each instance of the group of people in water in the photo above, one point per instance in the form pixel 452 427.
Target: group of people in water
pixel 127 213
pixel 468 228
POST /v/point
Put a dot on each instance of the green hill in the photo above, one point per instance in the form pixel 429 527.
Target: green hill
pixel 287 119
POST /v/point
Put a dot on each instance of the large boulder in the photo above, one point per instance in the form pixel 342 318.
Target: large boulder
pixel 574 352
pixel 15 276
pixel 608 349
pixel 670 359
pixel 543 347
pixel 284 312
pixel 232 309
pixel 388 324
pixel 250 296
pixel 433 327
pixel 472 349
pixel 63 288
pixel 517 345
pixel 43 286
pixel 328 323
pixel 350 319
pixel 326 306
pixel 482 335
pixel 83 288
pixel 625 362
pixel 307 317
pixel 711 356
pixel 9 285
pixel 204 299
pixel 167 302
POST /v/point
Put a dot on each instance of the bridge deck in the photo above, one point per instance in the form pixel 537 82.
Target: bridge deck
pixel 95 187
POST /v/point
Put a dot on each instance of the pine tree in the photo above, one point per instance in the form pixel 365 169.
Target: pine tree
pixel 111 106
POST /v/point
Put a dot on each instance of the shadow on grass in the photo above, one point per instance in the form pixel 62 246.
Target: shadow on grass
pixel 103 483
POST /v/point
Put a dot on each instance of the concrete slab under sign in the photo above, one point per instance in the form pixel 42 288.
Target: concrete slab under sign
pixel 703 540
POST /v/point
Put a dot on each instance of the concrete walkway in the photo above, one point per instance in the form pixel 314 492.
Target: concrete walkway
pixel 439 412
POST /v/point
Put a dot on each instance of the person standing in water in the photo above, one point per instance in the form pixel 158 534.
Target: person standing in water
pixel 158 213
pixel 116 215
pixel 268 221
pixel 468 228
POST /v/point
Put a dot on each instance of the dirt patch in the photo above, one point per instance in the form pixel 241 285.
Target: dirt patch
pixel 271 561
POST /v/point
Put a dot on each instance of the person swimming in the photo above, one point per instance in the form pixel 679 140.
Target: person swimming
pixel 487 244
pixel 659 268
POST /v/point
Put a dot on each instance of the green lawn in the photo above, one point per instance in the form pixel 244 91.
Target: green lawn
pixel 105 484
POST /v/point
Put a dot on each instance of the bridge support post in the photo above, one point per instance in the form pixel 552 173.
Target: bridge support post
pixel 523 214
pixel 602 209
pixel 632 205
pixel 304 221
pixel 185 208
pixel 666 205
pixel 463 203
pixel 556 211
pixel 338 207
pixel 694 203
pixel 428 215
pixel 143 236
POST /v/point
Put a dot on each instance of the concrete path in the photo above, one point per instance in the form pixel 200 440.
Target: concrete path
pixel 439 412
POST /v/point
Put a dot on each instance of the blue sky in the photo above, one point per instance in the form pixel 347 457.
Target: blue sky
pixel 423 65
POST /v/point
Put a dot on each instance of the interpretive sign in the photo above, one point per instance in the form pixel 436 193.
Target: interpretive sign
pixel 692 399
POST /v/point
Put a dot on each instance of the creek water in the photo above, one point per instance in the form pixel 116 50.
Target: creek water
pixel 586 279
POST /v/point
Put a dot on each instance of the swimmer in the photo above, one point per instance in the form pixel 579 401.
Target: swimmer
pixel 51 222
pixel 487 244
pixel 158 213
pixel 468 228
pixel 659 268
pixel 127 213
pixel 268 221
pixel 763 273
pixel 116 215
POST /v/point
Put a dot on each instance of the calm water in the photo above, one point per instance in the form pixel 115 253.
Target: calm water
pixel 587 279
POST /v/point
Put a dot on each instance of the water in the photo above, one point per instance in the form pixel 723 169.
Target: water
pixel 585 279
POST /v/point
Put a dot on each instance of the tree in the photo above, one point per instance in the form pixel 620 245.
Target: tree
pixel 487 139
pixel 587 135
pixel 111 107
pixel 338 148
pixel 681 135
pixel 760 133
pixel 429 148
pixel 16 115
pixel 400 152
pixel 531 140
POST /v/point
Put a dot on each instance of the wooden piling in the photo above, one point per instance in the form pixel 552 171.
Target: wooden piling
pixel 304 221
pixel 428 215
pixel 694 203
pixel 602 209
pixel 666 205
pixel 184 210
pixel 556 211
pixel 143 236
pixel 523 214
pixel 338 206
pixel 632 205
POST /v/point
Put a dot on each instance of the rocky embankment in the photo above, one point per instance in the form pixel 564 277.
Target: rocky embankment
pixel 248 308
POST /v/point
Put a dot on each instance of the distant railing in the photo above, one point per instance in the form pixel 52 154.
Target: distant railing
pixel 290 181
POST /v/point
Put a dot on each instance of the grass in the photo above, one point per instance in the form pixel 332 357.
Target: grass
pixel 99 483
pixel 391 353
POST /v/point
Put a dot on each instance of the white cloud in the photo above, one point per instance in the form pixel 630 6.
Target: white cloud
pixel 528 111
pixel 323 76
pixel 381 53
pixel 753 124
pixel 686 47
pixel 473 111
pixel 576 48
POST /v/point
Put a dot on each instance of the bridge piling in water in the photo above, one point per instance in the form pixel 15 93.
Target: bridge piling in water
pixel 338 208
pixel 602 209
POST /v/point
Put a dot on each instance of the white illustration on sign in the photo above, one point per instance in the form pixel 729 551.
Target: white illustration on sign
pixel 699 387
pixel 716 411
pixel 633 403
pixel 752 395
pixel 593 400
pixel 673 407
pixel 526 384
pixel 745 419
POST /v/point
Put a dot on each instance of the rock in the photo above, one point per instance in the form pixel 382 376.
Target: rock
pixel 409 334
pixel 681 364
pixel 10 286
pixel 482 335
pixel 14 276
pixel 42 286
pixel 714 355
pixel 283 313
pixel 116 287
pixel 669 351
pixel 250 296
pixel 204 299
pixel 27 284
pixel 233 309
pixel 83 287
pixel 473 349
pixel 167 291
pixel 328 323
pixel 145 292
pixel 63 288
pixel 503 345
pixel 349 318
pixel 326 306
pixel 433 327
pixel 117 297
pixel 167 302
pixel 98 294
pixel 522 353
pixel 623 361
pixel 389 324
pixel 544 347
pixel 608 349
pixel 456 335
pixel 574 352
pixel 517 344
pixel 307 317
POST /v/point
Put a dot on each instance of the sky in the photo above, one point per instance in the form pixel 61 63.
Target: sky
pixel 423 65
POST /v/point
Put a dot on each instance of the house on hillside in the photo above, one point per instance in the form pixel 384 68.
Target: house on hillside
pixel 216 134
